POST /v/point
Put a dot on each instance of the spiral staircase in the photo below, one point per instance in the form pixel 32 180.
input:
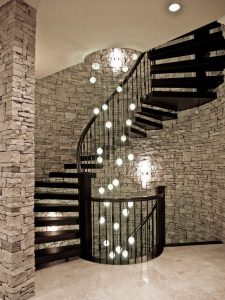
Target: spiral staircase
pixel 176 76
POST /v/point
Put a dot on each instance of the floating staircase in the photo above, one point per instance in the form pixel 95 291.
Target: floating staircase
pixel 62 187
pixel 188 81
pixel 162 104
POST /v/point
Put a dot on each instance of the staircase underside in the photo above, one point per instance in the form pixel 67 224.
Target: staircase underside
pixel 175 103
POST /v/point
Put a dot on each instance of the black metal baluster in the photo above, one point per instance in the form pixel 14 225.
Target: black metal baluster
pixel 132 89
pixel 127 90
pixel 128 245
pixel 118 118
pixel 113 120
pixel 87 148
pixel 93 230
pixel 136 241
pixel 106 233
pixel 148 73
pixel 123 109
pixel 89 157
pixel 153 234
pixel 146 236
pixel 104 133
pixel 82 152
pixel 99 232
pixel 99 131
pixel 108 130
pixel 120 237
pixel 144 78
pixel 140 67
pixel 113 232
pixel 141 235
pixel 137 88
pixel 148 214
pixel 94 150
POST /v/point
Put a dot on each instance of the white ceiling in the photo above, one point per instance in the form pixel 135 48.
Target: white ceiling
pixel 68 30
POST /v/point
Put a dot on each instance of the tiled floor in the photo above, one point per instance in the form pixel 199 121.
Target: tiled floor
pixel 185 273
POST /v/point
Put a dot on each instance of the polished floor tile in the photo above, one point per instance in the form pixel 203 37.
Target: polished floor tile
pixel 180 273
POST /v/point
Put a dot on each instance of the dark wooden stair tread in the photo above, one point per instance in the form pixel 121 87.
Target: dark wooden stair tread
pixel 54 236
pixel 56 221
pixel 215 41
pixel 188 82
pixel 67 175
pixel 176 104
pixel 63 196
pixel 44 256
pixel 92 157
pixel 158 114
pixel 50 207
pixel 63 185
pixel 89 157
pixel 83 166
pixel 206 28
pixel 215 63
pixel 147 123
pixel 135 132
pixel 182 95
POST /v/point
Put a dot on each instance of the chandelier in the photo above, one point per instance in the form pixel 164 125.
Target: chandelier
pixel 117 60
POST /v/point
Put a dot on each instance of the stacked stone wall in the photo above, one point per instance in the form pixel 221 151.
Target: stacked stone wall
pixel 17 83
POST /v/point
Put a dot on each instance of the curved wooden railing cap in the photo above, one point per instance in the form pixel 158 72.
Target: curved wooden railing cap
pixel 133 199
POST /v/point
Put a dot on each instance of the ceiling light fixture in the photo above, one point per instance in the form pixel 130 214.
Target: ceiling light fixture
pixel 116 182
pixel 117 59
pixel 118 249
pixel 134 56
pixel 108 124
pixel 119 162
pixel 110 186
pixel 106 204
pixel 174 7
pixel 99 151
pixel 96 111
pixel 95 66
pixel 101 190
pixel 128 122
pixel 104 106
pixel 93 80
pixel 106 243
pixel 119 89
pixel 99 159
pixel 102 220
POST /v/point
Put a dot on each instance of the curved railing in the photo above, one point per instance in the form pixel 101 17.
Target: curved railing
pixel 117 230
pixel 121 230
pixel 119 107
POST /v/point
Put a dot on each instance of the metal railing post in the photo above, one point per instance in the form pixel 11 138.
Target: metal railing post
pixel 160 220
pixel 85 216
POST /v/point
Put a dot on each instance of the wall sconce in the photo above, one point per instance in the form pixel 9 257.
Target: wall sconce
pixel 145 172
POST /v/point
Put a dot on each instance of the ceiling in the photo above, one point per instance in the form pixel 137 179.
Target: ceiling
pixel 68 30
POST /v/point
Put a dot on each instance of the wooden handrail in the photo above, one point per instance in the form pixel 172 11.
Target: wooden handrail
pixel 134 199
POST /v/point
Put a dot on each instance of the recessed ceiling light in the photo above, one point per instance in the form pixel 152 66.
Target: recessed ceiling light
pixel 174 7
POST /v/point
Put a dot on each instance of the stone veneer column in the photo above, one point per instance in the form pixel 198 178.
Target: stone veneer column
pixel 17 84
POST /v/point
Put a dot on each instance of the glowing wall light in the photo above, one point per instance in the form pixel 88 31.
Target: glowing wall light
pixel 145 172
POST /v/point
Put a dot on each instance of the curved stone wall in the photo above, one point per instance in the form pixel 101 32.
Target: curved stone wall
pixel 188 157
pixel 64 106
